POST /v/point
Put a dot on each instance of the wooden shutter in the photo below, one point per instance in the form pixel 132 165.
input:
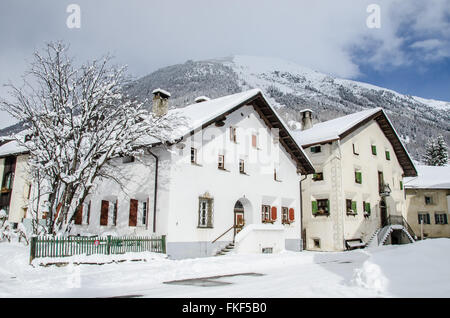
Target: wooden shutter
pixel 354 206
pixel 79 215
pixel 367 206
pixel 401 185
pixel 291 215
pixel 358 177
pixel 374 150
pixel 254 141
pixel 274 213
pixel 132 221
pixel 104 213
pixel 314 207
pixel 388 155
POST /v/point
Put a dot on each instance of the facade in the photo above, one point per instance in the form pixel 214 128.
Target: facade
pixel 428 202
pixel 358 185
pixel 233 175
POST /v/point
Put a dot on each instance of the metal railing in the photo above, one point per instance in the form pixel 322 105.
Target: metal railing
pixel 224 234
pixel 394 220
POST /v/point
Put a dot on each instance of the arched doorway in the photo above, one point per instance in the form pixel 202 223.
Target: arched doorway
pixel 239 220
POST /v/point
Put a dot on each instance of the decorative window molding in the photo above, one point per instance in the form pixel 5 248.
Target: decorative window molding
pixel 205 211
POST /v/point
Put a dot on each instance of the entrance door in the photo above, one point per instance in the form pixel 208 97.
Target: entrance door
pixel 383 212
pixel 239 221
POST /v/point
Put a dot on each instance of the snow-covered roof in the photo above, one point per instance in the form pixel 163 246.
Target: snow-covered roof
pixel 198 115
pixel 430 177
pixel 12 148
pixel 332 129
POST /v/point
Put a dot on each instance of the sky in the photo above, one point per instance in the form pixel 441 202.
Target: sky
pixel 405 48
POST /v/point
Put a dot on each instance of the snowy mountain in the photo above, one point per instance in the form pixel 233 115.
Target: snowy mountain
pixel 290 88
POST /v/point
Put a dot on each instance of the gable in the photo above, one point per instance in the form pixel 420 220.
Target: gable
pixel 271 120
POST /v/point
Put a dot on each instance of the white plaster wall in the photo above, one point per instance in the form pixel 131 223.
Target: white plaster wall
pixel 226 187
pixel 338 163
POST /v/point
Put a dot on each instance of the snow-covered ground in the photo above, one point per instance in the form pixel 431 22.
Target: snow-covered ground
pixel 414 270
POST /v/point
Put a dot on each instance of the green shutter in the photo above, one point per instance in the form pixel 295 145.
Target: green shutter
pixel 328 206
pixel 388 155
pixel 367 207
pixel 314 207
pixel 354 206
pixel 358 177
pixel 374 150
pixel 401 185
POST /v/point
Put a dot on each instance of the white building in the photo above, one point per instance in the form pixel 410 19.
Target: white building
pixel 232 176
pixel 356 194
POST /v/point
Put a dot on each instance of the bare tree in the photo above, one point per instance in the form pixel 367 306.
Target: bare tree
pixel 78 119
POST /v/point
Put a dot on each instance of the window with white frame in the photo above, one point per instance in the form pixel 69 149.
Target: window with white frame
pixel 242 166
pixel 142 213
pixel 221 162
pixel 193 155
pixel 233 136
pixel 205 212
pixel 440 218
pixel 265 213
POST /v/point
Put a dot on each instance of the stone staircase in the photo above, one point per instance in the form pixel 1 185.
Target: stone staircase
pixel 373 240
pixel 227 249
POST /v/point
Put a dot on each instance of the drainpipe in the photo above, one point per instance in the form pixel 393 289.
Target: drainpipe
pixel 155 191
pixel 301 213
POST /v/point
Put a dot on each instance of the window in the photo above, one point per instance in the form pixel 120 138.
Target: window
pixel 127 159
pixel 8 183
pixel 233 134
pixel 87 214
pixel 266 216
pixel 242 166
pixel 316 243
pixel 142 213
pixel 193 155
pixel 316 149
pixel 358 177
pixel 425 217
pixel 221 163
pixel 318 176
pixel 275 174
pixel 440 218
pixel 355 149
pixel 374 150
pixel 284 215
pixel 205 211
pixel 388 155
pixel 428 200
pixel 351 207
pixel 321 207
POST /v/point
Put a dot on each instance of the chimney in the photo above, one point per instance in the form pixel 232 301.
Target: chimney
pixel 160 102
pixel 202 99
pixel 306 118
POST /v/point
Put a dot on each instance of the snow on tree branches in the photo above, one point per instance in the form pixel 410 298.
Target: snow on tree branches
pixel 78 119
pixel 436 152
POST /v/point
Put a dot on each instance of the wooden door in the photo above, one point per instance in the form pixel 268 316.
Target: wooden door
pixel 133 212
pixel 104 213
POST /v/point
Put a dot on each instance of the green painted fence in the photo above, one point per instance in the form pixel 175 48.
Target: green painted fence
pixel 43 246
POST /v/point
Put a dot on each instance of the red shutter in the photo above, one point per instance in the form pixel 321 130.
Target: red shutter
pixel 132 221
pixel 291 214
pixel 254 141
pixel 79 215
pixel 274 213
pixel 104 213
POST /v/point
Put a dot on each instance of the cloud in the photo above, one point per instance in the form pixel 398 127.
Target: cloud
pixel 329 36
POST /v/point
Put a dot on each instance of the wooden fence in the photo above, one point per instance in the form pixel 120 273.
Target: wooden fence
pixel 76 245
